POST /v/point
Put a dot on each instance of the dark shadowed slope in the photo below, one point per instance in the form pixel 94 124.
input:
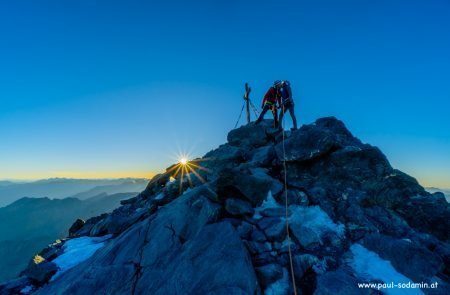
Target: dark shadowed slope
pixel 29 224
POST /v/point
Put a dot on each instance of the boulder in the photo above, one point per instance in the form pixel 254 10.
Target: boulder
pixel 251 135
pixel 238 207
pixel 302 263
pixel 305 237
pixel 76 226
pixel 51 251
pixel 119 220
pixel 275 212
pixel 297 197
pixel 16 286
pixel 339 282
pixel 263 156
pixel 244 230
pixel 411 259
pixel 313 141
pixel 250 187
pixel 276 232
pixel 40 270
pixel 268 274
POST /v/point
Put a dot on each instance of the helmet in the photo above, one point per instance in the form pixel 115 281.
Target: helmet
pixel 276 83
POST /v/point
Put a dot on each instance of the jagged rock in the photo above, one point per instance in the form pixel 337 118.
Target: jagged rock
pixel 339 282
pixel 250 136
pixel 238 207
pixel 386 222
pixel 414 261
pixel 305 237
pixel 258 236
pixel 244 230
pixel 15 286
pixel 76 226
pixel 40 270
pixel 221 266
pixel 428 213
pixel 312 141
pixel 52 250
pixel 297 197
pixel 224 157
pixel 267 222
pixel 263 156
pixel 276 186
pixel 119 220
pixel 276 232
pixel 129 201
pixel 156 184
pixel 275 212
pixel 252 188
pixel 302 263
pixel 269 273
pixel 206 239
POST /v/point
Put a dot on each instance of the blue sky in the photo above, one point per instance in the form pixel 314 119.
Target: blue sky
pixel 104 88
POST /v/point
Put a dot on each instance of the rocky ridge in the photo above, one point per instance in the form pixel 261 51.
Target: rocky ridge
pixel 222 228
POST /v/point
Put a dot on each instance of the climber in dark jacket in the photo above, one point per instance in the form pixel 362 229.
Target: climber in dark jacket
pixel 270 103
pixel 286 103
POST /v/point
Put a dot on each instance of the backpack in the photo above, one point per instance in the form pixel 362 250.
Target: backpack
pixel 286 92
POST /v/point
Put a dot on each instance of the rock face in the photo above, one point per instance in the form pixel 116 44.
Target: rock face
pixel 221 229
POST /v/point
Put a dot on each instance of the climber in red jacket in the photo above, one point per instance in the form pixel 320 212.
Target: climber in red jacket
pixel 269 102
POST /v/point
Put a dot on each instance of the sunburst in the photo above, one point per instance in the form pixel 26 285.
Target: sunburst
pixel 185 169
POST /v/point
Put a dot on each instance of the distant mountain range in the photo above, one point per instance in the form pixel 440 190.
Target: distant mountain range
pixel 29 224
pixel 63 187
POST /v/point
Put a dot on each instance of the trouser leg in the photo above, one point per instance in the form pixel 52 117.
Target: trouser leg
pixel 275 116
pixel 263 112
pixel 292 113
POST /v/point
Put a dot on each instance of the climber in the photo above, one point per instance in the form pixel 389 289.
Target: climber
pixel 286 103
pixel 270 103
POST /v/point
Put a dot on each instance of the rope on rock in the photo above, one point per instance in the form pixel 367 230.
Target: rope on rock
pixel 287 209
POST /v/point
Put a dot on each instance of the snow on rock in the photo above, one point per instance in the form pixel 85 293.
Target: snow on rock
pixel 314 218
pixel 76 251
pixel 280 287
pixel 269 202
pixel 369 266
pixel 159 196
pixel 26 289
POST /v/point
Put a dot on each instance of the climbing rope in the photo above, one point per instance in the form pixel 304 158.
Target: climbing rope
pixel 255 110
pixel 286 205
pixel 240 115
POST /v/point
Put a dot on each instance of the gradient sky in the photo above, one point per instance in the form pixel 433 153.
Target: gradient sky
pixel 109 88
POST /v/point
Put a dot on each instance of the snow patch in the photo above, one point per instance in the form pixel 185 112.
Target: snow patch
pixel 269 202
pixel 369 266
pixel 159 196
pixel 314 218
pixel 27 289
pixel 76 251
pixel 280 287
